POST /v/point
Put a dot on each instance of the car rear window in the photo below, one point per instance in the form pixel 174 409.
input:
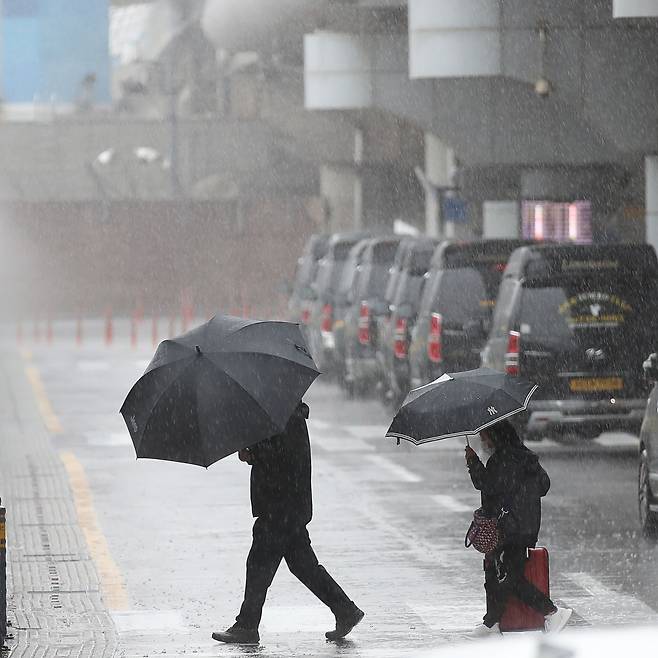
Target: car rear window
pixel 418 262
pixel 330 269
pixel 567 313
pixel 384 253
pixel 464 294
pixel 305 275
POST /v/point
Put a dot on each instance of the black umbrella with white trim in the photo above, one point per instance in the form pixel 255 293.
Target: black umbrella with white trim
pixel 460 404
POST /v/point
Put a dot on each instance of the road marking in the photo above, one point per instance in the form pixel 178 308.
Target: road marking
pixel 93 366
pixel 48 414
pixel 459 618
pixel 367 431
pixel 451 503
pixel 110 439
pixel 602 605
pixel 618 441
pixel 111 580
pixel 339 443
pixel 146 622
pixel 295 619
pixel 321 425
pixel 398 473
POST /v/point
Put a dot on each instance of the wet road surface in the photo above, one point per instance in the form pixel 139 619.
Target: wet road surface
pixel 169 541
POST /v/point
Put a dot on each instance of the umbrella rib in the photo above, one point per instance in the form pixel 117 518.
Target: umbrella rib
pixel 164 365
pixel 255 353
pixel 155 404
pixel 260 406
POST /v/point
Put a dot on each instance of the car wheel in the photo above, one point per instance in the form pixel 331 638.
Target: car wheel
pixel 648 519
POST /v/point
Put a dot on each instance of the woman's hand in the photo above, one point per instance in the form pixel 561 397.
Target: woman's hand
pixel 470 454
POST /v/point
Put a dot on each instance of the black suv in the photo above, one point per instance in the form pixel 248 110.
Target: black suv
pixel 342 301
pixel 647 490
pixel 325 286
pixel 578 320
pixel 456 307
pixel 361 319
pixel 301 298
pixel 403 310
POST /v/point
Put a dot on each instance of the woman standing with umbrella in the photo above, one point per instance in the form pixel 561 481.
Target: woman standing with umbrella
pixel 514 481
pixel 463 404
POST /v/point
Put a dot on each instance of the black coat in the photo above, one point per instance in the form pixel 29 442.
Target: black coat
pixel 512 478
pixel 281 473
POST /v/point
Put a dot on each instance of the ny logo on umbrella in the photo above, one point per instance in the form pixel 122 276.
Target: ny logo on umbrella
pixel 492 411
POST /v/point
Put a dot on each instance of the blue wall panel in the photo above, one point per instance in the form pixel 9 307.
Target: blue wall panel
pixel 21 75
pixel 49 46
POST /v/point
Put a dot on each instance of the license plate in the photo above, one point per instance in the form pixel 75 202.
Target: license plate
pixel 589 384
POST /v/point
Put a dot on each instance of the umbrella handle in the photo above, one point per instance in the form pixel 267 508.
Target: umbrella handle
pixel 467 443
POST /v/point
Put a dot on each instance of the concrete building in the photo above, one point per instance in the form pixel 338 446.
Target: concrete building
pixel 463 117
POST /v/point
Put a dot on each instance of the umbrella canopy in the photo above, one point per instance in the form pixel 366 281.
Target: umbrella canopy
pixel 460 404
pixel 221 387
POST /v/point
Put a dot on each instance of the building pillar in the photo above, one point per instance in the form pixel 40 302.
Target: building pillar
pixel 438 175
pixel 651 199
pixel 340 186
pixel 501 219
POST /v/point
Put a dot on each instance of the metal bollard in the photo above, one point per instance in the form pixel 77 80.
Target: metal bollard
pixel 3 576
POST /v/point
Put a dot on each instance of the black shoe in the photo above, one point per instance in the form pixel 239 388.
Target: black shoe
pixel 237 635
pixel 345 624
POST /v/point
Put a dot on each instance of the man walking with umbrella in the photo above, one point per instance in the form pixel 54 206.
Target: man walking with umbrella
pixel 281 501
pixel 225 385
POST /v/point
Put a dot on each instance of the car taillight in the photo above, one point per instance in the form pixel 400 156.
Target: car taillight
pixel 327 318
pixel 435 339
pixel 513 351
pixel 306 316
pixel 401 349
pixel 364 324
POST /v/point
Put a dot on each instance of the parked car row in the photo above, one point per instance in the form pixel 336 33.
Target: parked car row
pixel 386 314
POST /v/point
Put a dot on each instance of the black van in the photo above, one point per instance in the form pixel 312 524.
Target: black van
pixel 301 297
pixel 456 307
pixel 579 321
pixel 319 327
pixel 403 311
pixel 366 306
pixel 342 301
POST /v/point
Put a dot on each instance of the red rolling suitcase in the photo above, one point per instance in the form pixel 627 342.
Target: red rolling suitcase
pixel 517 615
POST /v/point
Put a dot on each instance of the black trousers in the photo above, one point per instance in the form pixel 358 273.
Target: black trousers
pixel 279 539
pixel 503 576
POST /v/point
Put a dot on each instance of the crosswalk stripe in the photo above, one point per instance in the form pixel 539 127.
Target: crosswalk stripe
pixel 398 473
pixel 339 443
pixel 450 503
pixel 601 604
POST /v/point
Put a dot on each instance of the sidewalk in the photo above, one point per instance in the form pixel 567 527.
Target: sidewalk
pixel 54 600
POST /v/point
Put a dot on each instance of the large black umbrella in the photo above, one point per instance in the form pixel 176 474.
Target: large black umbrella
pixel 217 389
pixel 460 404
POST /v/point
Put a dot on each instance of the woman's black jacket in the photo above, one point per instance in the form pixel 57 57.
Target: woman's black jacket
pixel 513 479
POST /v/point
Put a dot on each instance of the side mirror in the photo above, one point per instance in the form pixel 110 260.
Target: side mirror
pixel 650 367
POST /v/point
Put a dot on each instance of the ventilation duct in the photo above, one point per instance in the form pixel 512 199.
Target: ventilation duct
pixel 634 8
pixel 337 71
pixel 454 38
